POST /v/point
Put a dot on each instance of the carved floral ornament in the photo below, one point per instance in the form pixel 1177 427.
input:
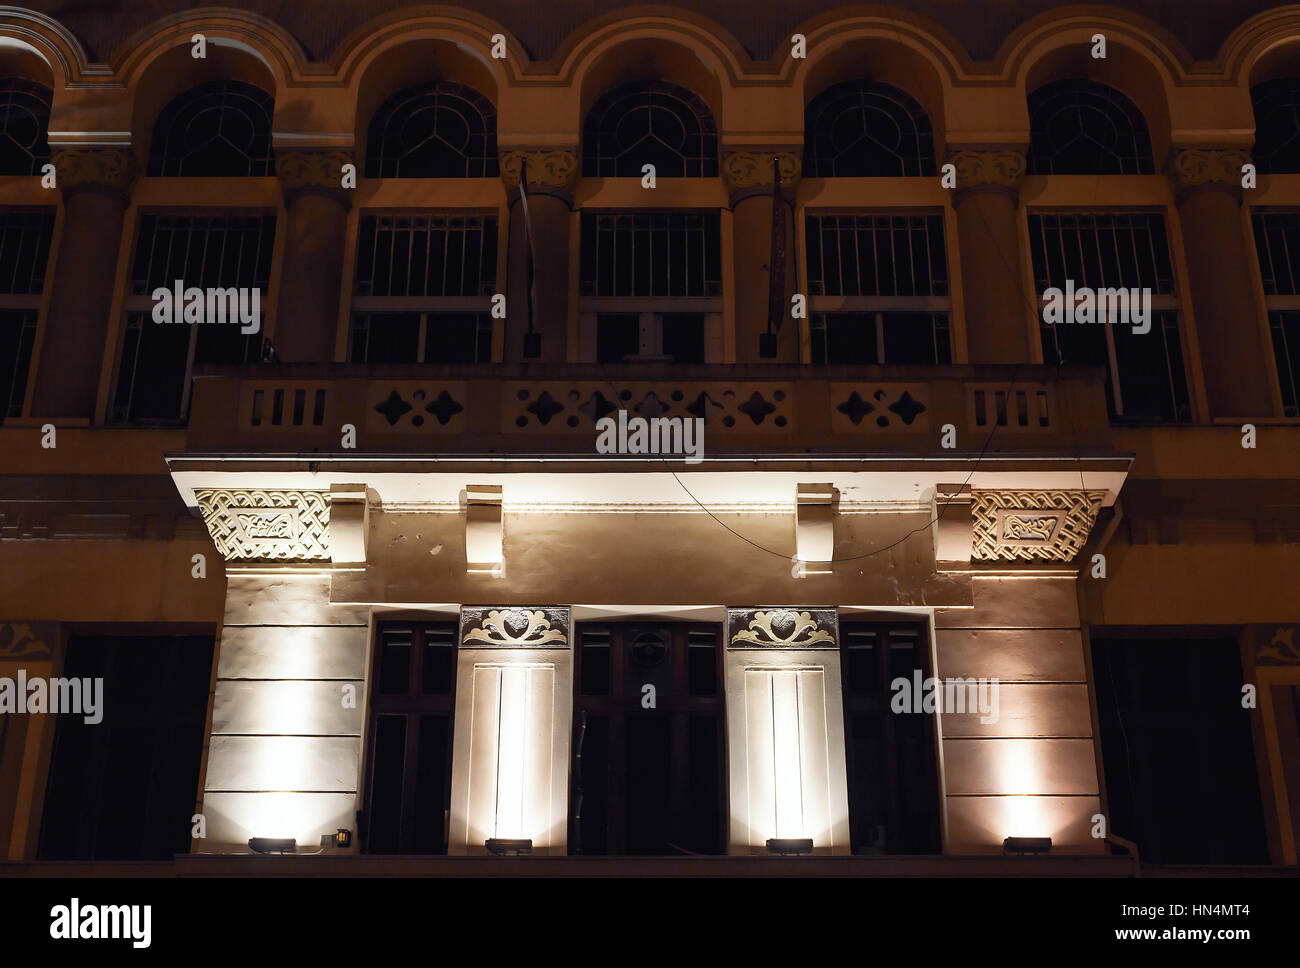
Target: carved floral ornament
pixel 280 525
pixel 782 628
pixel 1029 525
pixel 555 168
pixel 19 640
pixel 1280 649
pixel 507 627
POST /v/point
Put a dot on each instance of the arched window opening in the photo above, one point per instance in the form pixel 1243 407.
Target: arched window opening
pixel 221 129
pixel 437 130
pixel 864 129
pixel 1079 127
pixel 653 123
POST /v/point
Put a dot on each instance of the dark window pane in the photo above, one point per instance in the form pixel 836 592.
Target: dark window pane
pixel 384 818
pixel 388 338
pixel 24 121
pixel 439 669
pixel 591 785
pixel 1177 749
pixel 617 336
pixel 595 661
pixel 670 254
pixel 432 796
pixel 123 788
pixel 458 338
pixel 701 826
pixel 1277 126
pixel 395 662
pixel 869 255
pixel 684 337
pixel 17 334
pixel 702 654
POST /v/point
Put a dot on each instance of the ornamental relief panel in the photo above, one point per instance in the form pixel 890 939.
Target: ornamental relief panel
pixel 1024 525
pixel 248 525
pixel 514 627
pixel 782 628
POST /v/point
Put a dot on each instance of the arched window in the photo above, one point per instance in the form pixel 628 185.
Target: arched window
pixel 220 129
pixel 1277 125
pixel 438 130
pixel 1079 127
pixel 652 123
pixel 24 120
pixel 865 129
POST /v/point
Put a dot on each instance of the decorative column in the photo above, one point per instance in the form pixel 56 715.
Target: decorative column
pixel 998 327
pixel 552 176
pixel 96 185
pixel 1208 192
pixel 284 747
pixel 748 177
pixel 311 275
pixel 514 717
pixel 785 729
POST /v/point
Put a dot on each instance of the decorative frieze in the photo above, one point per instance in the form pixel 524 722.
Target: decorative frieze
pixel 1030 525
pixel 782 628
pixel 107 170
pixel 267 524
pixel 1219 168
pixel 513 627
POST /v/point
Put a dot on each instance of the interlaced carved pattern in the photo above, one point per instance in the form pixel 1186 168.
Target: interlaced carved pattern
pixel 1032 525
pixel 262 524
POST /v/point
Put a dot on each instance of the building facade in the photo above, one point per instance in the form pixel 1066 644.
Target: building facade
pixel 405 427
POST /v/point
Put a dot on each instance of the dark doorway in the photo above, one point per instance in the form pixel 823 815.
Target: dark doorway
pixel 648 756
pixel 125 788
pixel 409 757
pixel 1177 748
pixel 892 769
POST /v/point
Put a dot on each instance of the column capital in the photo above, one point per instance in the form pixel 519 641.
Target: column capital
pixel 999 169
pixel 747 172
pixel 551 170
pixel 313 171
pixel 1194 169
pixel 107 171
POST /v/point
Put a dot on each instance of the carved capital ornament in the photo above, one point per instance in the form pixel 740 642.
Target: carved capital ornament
pixel 1201 168
pixel 552 171
pixel 316 171
pixel 107 170
pixel 747 173
pixel 994 169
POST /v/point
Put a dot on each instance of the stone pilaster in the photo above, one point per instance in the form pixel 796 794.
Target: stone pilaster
pixel 987 196
pixel 96 184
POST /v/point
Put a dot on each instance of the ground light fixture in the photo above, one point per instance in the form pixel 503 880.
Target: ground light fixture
pixel 340 838
pixel 507 847
pixel 273 845
pixel 789 846
pixel 1027 845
